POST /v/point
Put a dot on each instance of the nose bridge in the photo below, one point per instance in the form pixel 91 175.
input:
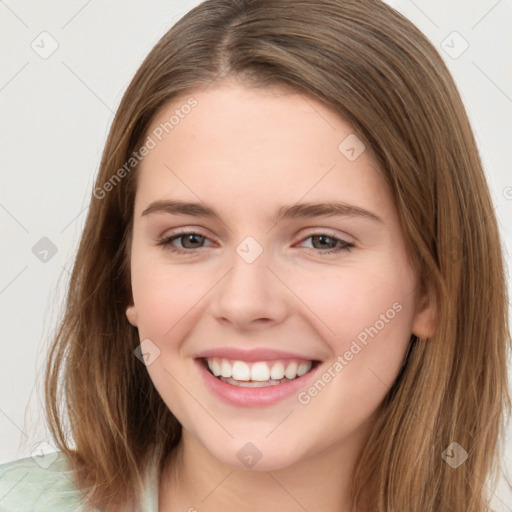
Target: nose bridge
pixel 250 291
pixel 249 276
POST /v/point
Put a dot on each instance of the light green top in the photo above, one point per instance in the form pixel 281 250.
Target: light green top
pixel 45 484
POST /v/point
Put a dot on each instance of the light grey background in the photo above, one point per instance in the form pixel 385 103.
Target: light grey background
pixel 55 111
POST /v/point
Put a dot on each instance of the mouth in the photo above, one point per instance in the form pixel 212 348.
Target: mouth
pixel 257 374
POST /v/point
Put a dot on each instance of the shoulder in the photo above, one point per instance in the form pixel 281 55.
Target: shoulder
pixel 42 483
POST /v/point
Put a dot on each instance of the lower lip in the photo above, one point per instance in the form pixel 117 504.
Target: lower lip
pixel 253 397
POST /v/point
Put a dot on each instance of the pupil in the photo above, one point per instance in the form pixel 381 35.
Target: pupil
pixel 188 237
pixel 322 238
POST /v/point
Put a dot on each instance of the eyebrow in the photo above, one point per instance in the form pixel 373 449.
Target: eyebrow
pixel 299 210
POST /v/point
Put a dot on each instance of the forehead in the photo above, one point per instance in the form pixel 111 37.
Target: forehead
pixel 254 144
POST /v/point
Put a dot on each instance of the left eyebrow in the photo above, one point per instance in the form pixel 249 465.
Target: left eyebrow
pixel 299 210
pixel 329 209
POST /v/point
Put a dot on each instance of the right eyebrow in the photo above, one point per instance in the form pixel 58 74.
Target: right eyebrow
pixel 181 208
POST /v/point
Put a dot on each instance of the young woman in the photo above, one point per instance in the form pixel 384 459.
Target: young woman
pixel 289 292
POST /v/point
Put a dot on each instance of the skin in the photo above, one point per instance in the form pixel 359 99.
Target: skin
pixel 247 152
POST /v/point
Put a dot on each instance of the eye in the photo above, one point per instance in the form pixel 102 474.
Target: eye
pixel 190 241
pixel 327 243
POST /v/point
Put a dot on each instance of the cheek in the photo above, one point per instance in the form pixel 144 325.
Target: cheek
pixel 350 299
pixel 363 315
pixel 161 303
pixel 163 294
pixel 371 317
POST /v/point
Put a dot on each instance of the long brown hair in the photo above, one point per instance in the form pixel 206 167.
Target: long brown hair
pixel 378 71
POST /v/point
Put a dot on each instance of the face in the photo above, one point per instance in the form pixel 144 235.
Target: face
pixel 262 283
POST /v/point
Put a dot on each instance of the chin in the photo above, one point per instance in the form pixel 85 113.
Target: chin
pixel 256 455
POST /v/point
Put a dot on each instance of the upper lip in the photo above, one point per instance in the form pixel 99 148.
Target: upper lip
pixel 255 354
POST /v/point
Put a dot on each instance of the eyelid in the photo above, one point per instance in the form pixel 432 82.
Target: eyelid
pixel 179 232
pixel 168 233
pixel 345 237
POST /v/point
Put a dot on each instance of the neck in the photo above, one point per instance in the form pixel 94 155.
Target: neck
pixel 195 480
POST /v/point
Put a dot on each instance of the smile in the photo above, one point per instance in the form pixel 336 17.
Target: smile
pixel 257 373
pixel 236 382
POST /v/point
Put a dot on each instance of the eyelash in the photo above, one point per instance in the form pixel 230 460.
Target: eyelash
pixel 166 243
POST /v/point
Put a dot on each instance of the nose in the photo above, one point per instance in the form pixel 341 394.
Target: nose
pixel 251 295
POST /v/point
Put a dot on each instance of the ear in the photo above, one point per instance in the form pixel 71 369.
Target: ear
pixel 425 319
pixel 131 314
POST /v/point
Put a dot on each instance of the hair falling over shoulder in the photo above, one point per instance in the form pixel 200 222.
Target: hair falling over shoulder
pixel 378 71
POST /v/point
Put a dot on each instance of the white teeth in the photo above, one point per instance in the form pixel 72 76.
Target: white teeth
pixel 291 371
pixel 259 371
pixel 241 371
pixel 225 368
pixel 277 371
pixel 215 367
pixel 303 369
